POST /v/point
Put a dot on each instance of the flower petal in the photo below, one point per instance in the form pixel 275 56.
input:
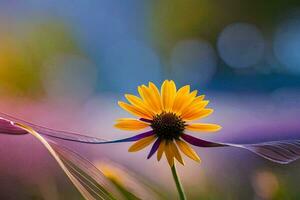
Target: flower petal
pixel 181 97
pixel 156 95
pixel 197 114
pixel 200 97
pixel 154 148
pixel 137 102
pixel 176 152
pixel 168 92
pixel 203 127
pixel 142 143
pixel 169 154
pixel 202 143
pixel 187 150
pixel 149 98
pixel 187 101
pixel 130 124
pixel 134 110
pixel 184 102
pixel 194 107
pixel 7 127
pixel 161 150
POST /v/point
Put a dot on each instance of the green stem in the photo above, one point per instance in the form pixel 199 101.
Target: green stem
pixel 178 183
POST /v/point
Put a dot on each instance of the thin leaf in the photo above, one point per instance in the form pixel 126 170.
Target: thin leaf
pixel 89 181
pixel 63 135
pixel 88 175
pixel 282 152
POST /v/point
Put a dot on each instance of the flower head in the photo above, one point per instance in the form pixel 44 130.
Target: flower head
pixel 168 113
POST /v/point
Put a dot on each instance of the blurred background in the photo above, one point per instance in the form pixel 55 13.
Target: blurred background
pixel 65 64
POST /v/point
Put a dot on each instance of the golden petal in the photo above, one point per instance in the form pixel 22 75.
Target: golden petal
pixel 135 110
pixel 169 154
pixel 138 102
pixel 142 143
pixel 176 152
pixel 185 102
pixel 130 124
pixel 168 92
pixel 195 106
pixel 153 99
pixel 156 95
pixel 203 127
pixel 149 97
pixel 161 150
pixel 200 98
pixel 197 114
pixel 187 150
pixel 181 95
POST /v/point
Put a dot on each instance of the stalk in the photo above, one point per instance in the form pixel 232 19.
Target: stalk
pixel 178 183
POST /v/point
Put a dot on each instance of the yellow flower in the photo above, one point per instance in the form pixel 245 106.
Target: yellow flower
pixel 168 112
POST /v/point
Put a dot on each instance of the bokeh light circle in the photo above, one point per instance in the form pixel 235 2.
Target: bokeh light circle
pixel 241 45
pixel 287 44
pixel 193 62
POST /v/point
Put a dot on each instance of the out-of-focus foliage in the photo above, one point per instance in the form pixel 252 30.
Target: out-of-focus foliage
pixel 24 49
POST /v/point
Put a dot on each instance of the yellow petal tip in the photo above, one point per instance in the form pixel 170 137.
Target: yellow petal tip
pixel 218 127
pixel 132 149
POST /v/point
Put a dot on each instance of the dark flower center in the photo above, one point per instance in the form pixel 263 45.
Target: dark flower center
pixel 168 126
